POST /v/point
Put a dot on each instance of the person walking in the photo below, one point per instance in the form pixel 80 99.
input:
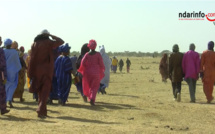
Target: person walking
pixel 104 83
pixel 13 67
pixel 84 49
pixel 176 72
pixel 163 67
pixel 191 68
pixel 41 68
pixel 63 71
pixel 128 64
pixel 114 64
pixel 121 64
pixel 21 78
pixel 92 69
pixel 207 71
pixel 3 79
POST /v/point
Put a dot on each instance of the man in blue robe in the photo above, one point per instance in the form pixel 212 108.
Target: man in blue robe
pixel 13 66
pixel 63 71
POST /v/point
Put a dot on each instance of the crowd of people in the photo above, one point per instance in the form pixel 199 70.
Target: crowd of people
pixel 51 71
pixel 115 64
pixel 189 67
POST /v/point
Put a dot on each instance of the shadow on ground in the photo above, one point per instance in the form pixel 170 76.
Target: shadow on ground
pixel 14 118
pixel 132 96
pixel 85 120
pixel 102 106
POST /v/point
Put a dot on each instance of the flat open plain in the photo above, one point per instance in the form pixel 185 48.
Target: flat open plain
pixel 135 103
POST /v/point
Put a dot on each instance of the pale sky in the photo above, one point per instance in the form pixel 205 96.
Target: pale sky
pixel 119 25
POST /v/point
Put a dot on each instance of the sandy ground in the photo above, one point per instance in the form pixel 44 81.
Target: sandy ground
pixel 135 103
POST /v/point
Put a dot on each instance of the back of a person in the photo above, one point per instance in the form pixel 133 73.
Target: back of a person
pixel 11 56
pixel 74 60
pixel 209 62
pixel 191 64
pixel 114 62
pixel 43 58
pixel 128 62
pixel 43 47
pixel 121 63
pixel 60 66
pixel 176 63
pixel 107 63
pixel 93 65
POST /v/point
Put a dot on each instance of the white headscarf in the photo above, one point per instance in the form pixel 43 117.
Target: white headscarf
pixel 107 63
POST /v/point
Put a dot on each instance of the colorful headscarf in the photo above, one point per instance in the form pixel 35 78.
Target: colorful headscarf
pixel 22 49
pixel 64 48
pixel 92 44
pixel 192 46
pixel 210 45
pixel 7 42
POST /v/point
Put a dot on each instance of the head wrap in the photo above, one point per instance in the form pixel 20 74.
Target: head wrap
pixel 192 46
pixel 165 55
pixel 92 44
pixel 45 31
pixel 22 49
pixel 14 45
pixel 102 49
pixel 64 48
pixel 175 48
pixel 84 49
pixel 7 42
pixel 210 45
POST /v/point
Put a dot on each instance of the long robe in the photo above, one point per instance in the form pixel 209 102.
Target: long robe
pixel 175 67
pixel 41 69
pixel 13 67
pixel 128 63
pixel 79 84
pixel 114 64
pixel 121 64
pixel 208 68
pixel 63 70
pixel 74 60
pixel 163 67
pixel 191 65
pixel 26 62
pixel 21 80
pixel 3 75
pixel 92 68
pixel 107 63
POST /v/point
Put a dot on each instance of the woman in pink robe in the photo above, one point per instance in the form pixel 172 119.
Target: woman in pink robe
pixel 92 68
